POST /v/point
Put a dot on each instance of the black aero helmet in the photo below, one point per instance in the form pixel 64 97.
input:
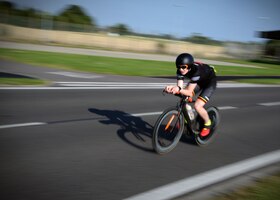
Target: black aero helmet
pixel 184 59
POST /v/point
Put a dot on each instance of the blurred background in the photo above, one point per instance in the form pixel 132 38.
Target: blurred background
pixel 86 134
pixel 229 29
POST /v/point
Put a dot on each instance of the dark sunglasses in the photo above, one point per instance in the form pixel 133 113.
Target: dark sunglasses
pixel 182 67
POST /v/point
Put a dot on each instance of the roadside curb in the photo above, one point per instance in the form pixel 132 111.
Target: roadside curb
pixel 233 184
pixel 209 178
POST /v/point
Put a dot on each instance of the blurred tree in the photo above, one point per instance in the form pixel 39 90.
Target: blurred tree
pixel 6 7
pixel 167 36
pixel 200 39
pixel 121 29
pixel 30 12
pixel 272 48
pixel 76 15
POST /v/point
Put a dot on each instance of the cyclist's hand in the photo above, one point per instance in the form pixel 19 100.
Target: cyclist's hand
pixel 171 89
pixel 168 89
pixel 175 90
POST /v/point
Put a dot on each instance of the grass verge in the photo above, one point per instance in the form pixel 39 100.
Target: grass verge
pixel 20 81
pixel 265 189
pixel 121 66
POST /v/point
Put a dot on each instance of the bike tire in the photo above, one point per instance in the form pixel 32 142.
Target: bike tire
pixel 168 130
pixel 214 115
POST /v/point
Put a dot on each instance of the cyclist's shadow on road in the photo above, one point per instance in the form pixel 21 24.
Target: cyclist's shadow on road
pixel 133 130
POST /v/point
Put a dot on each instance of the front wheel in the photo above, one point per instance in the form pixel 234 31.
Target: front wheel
pixel 214 115
pixel 168 130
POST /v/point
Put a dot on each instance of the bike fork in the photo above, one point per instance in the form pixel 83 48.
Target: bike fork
pixel 169 122
pixel 171 119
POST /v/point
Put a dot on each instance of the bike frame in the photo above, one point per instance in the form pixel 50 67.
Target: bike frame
pixel 182 109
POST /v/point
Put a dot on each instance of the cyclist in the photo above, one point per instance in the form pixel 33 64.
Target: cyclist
pixel 202 79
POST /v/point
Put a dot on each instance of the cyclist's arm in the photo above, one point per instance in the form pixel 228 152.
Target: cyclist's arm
pixel 180 83
pixel 174 89
pixel 188 91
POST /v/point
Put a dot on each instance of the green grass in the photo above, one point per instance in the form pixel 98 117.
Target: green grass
pixel 121 66
pixel 266 189
pixel 20 81
pixel 96 64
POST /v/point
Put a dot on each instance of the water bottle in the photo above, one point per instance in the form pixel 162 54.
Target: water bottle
pixel 190 112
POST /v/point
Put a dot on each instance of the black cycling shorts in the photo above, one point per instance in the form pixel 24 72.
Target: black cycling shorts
pixel 206 91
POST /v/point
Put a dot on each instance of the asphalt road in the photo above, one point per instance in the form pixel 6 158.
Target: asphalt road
pixel 88 146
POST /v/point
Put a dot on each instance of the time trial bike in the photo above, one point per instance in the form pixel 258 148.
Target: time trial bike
pixel 183 118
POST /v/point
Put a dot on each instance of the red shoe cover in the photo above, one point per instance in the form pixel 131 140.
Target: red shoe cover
pixel 204 132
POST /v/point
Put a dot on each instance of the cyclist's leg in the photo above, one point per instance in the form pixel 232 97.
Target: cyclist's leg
pixel 203 98
pixel 199 107
pixel 197 90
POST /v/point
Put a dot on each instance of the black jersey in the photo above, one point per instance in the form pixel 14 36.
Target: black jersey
pixel 200 73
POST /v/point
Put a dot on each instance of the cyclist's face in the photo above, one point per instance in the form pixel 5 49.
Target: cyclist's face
pixel 184 71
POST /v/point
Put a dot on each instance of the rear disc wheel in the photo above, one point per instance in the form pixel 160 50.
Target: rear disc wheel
pixel 214 116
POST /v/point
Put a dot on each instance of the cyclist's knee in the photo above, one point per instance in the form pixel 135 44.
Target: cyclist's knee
pixel 199 105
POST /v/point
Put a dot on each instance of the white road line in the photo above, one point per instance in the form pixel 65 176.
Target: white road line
pixel 159 112
pixel 114 83
pixel 205 179
pixel 22 125
pixel 81 88
pixel 74 74
pixel 226 107
pixel 146 114
pixel 134 115
pixel 270 104
pixel 120 85
pixel 243 85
